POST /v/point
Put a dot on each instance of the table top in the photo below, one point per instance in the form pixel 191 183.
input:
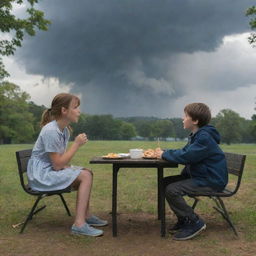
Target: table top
pixel 138 162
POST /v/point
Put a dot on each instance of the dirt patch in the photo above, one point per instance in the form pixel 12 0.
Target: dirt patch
pixel 138 234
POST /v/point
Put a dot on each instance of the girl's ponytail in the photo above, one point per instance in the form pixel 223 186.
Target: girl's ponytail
pixel 46 117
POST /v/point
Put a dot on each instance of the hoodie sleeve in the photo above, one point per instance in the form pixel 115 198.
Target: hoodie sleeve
pixel 190 154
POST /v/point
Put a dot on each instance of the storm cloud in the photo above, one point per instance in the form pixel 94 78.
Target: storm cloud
pixel 132 57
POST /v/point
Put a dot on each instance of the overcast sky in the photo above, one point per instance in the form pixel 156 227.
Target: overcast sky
pixel 141 57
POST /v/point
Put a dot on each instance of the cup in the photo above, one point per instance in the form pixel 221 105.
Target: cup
pixel 136 153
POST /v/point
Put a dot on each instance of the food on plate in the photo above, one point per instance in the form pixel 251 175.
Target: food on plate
pixel 111 155
pixel 150 153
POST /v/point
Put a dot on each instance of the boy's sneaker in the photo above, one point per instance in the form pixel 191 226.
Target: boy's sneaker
pixel 86 230
pixel 96 221
pixel 190 229
pixel 179 224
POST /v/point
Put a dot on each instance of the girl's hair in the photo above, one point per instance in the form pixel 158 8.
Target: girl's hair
pixel 199 112
pixel 60 101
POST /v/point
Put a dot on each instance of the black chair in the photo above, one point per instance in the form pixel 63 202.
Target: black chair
pixel 22 160
pixel 235 163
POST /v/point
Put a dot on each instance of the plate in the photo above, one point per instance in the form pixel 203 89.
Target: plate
pixel 119 156
pixel 112 158
pixel 124 155
pixel 146 157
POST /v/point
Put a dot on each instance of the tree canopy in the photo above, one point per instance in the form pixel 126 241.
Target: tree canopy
pixel 252 13
pixel 16 122
pixel 15 28
pixel 20 118
pixel 228 123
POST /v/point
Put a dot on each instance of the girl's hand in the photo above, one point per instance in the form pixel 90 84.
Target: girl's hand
pixel 60 161
pixel 81 139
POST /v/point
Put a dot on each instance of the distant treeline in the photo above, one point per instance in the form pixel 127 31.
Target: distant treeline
pixel 20 119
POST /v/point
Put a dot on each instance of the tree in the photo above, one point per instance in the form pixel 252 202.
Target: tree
pixel 145 129
pixel 16 122
pixel 228 123
pixel 248 131
pixel 252 12
pixel 179 131
pixel 97 127
pixel 163 129
pixel 127 131
pixel 253 126
pixel 16 28
pixel 37 112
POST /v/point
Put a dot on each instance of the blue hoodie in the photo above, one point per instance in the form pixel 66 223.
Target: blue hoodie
pixel 205 161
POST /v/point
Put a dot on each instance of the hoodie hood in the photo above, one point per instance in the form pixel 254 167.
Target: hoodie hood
pixel 212 131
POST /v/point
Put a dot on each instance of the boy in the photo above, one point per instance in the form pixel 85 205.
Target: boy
pixel 205 169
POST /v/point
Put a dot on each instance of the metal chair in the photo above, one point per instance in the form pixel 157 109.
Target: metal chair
pixel 235 164
pixel 22 161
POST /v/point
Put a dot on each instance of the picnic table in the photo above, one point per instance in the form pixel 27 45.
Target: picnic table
pixel 159 164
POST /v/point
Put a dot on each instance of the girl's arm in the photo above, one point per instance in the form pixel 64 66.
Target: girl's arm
pixel 60 161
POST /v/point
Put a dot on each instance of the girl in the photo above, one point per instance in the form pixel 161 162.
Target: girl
pixel 49 169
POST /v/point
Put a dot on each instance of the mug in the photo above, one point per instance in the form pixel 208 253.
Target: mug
pixel 136 153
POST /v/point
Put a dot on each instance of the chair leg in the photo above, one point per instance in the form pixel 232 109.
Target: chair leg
pixel 31 213
pixel 222 210
pixel 38 210
pixel 195 203
pixel 65 204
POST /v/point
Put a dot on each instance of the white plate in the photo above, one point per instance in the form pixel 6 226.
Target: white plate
pixel 124 154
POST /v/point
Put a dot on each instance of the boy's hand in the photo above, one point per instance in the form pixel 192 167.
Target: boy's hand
pixel 159 152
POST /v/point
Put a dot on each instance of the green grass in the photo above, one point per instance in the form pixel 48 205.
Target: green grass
pixel 136 190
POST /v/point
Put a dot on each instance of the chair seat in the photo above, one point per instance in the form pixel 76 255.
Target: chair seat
pixel 36 192
pixel 225 193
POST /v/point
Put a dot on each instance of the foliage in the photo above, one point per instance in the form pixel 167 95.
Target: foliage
pixel 16 122
pixel 252 12
pixel 253 128
pixel 228 123
pixel 15 28
pixel 37 113
pixel 20 118
pixel 151 127
pixel 145 129
pixel 103 127
pixel 127 131
pixel 163 129
pixel 179 131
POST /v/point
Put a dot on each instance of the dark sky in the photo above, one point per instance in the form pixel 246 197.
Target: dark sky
pixel 121 55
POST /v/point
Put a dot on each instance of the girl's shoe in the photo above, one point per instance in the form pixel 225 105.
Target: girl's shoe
pixel 96 221
pixel 86 230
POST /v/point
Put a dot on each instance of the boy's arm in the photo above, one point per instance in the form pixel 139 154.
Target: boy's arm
pixel 193 153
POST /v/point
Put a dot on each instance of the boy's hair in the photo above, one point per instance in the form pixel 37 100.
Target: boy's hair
pixel 199 112
pixel 59 101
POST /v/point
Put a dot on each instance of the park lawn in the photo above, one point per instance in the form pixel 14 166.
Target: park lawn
pixel 48 233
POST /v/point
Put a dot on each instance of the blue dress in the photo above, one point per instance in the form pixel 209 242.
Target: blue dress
pixel 41 175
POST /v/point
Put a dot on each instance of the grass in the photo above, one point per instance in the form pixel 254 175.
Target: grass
pixel 136 194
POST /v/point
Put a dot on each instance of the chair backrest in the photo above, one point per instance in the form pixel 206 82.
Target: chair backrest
pixel 235 164
pixel 22 158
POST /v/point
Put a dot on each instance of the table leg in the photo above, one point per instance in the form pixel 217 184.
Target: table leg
pixel 161 200
pixel 159 193
pixel 114 200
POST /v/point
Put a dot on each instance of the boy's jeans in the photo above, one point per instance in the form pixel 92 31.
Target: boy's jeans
pixel 178 186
